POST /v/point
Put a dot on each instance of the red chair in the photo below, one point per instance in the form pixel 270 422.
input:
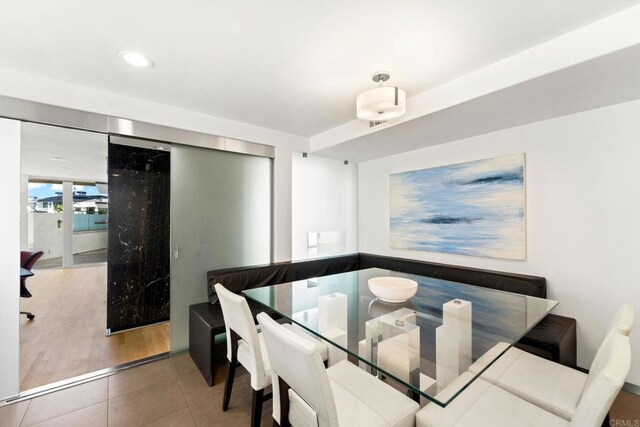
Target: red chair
pixel 27 261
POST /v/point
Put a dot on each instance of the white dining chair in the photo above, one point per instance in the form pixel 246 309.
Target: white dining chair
pixel 549 385
pixel 245 346
pixel 342 395
pixel 485 404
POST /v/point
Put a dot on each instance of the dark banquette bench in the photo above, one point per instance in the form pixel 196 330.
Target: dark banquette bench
pixel 554 338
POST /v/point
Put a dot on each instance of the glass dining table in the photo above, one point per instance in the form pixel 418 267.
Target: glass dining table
pixel 423 344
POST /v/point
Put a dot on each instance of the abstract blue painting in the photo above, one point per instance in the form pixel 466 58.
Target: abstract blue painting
pixel 475 208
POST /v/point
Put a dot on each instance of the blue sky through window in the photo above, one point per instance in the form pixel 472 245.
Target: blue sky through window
pixel 41 190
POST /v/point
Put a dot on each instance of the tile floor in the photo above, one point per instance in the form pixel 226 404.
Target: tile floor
pixel 172 393
pixel 169 392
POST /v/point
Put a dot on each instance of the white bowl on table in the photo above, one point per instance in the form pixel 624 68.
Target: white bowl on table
pixel 393 289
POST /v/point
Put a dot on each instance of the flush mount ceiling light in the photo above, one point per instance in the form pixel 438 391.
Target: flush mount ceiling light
pixel 382 103
pixel 136 59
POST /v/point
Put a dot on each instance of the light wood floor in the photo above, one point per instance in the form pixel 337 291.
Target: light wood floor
pixel 67 337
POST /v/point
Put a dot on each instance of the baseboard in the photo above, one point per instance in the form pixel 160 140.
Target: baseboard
pixel 632 388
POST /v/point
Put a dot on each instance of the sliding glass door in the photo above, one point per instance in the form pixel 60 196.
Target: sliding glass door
pixel 220 218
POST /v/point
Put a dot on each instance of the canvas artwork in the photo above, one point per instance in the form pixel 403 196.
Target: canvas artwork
pixel 475 208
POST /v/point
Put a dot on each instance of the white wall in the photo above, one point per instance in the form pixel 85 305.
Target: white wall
pixel 88 241
pixel 45 235
pixel 48 91
pixel 9 257
pixel 324 199
pixel 583 208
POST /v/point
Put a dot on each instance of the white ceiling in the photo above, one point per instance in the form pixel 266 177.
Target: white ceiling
pixel 290 65
pixel 606 80
pixel 84 154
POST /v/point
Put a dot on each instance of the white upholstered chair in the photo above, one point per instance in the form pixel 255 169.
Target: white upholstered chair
pixel 551 386
pixel 245 346
pixel 486 404
pixel 342 395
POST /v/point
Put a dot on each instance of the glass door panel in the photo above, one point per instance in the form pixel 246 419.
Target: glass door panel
pixel 220 217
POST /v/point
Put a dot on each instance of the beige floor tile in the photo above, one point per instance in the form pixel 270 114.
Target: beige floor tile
pixel 140 377
pixel 181 418
pixel 183 364
pixel 196 389
pixel 94 416
pixel 65 401
pixel 210 414
pixel 11 415
pixel 146 405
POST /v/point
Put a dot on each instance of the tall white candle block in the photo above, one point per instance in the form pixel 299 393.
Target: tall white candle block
pixel 332 312
pixel 453 342
pixel 333 324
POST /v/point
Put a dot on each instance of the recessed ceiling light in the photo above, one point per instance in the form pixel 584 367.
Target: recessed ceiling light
pixel 57 159
pixel 136 59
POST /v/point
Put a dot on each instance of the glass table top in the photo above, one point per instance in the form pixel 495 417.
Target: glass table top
pixel 424 343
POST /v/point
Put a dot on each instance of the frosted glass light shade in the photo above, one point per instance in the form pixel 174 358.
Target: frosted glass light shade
pixel 381 103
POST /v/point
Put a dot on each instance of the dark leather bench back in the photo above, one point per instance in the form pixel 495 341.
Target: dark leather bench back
pixel 517 283
pixel 241 278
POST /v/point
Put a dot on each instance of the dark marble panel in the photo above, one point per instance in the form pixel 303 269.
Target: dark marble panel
pixel 139 245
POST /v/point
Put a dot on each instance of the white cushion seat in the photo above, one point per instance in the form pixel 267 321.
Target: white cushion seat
pixel 484 404
pixel 342 395
pixel 363 400
pixel 551 386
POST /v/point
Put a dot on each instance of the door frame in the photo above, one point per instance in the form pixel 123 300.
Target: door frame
pixel 34 112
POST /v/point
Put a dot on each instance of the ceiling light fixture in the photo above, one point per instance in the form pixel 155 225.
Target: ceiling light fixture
pixel 381 103
pixel 136 59
pixel 57 159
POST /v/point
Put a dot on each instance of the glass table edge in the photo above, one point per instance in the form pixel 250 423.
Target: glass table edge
pixel 479 374
pixel 409 387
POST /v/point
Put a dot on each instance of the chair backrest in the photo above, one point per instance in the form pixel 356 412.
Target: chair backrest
pixel 28 259
pixel 299 364
pixel 238 318
pixel 604 382
pixel 623 320
pixel 622 323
